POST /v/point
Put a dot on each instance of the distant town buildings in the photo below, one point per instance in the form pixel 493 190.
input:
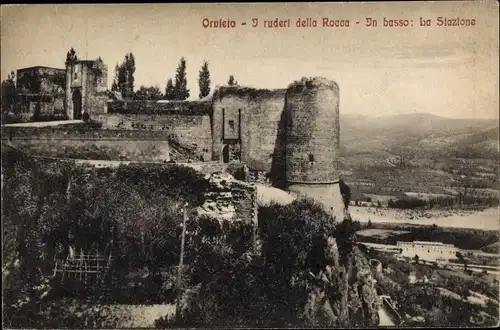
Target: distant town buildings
pixel 429 251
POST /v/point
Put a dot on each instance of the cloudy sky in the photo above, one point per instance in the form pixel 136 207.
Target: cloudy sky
pixel 447 71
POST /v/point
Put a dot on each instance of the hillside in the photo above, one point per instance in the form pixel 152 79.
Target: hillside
pixel 420 133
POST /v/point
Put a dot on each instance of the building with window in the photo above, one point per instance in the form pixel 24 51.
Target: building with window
pixel 428 251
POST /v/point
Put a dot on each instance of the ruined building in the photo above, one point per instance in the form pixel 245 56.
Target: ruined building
pixel 288 136
pixel 66 93
pixel 40 90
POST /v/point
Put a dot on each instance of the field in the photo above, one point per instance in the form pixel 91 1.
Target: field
pixel 381 233
pixel 470 241
pixel 483 220
pixel 441 159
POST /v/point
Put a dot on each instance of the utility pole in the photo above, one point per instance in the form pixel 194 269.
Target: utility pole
pixel 86 39
pixel 179 273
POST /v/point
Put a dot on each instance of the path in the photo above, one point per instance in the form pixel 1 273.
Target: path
pixel 45 123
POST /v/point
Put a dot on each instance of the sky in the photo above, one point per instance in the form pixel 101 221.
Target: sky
pixel 445 71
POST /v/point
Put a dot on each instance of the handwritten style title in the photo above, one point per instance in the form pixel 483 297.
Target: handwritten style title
pixel 327 22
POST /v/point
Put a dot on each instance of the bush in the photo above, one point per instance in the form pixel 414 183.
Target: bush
pixel 50 117
pixel 236 286
pixel 132 213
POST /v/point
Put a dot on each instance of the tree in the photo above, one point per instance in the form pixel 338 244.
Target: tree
pixel 148 93
pixel 124 76
pixel 169 90
pixel 390 203
pixel 492 308
pixel 9 93
pixel 204 80
pixel 181 91
pixel 114 85
pixel 369 223
pixel 71 56
pixel 416 258
pixel 232 81
pixel 130 70
pixel 345 191
pixel 462 259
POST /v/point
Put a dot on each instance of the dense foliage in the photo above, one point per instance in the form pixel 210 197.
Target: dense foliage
pixel 426 299
pixel 462 201
pixel 169 90
pixel 295 267
pixel 152 93
pixel 291 274
pixel 8 88
pixel 131 213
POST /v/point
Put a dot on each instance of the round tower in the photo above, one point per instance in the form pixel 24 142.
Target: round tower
pixel 312 141
pixel 312 134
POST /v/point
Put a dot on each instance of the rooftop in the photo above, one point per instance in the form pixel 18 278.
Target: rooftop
pixel 40 67
pixel 426 243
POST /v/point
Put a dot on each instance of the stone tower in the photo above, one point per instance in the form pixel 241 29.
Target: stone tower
pixel 312 142
pixel 86 85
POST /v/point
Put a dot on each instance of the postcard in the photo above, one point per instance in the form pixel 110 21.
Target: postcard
pixel 243 165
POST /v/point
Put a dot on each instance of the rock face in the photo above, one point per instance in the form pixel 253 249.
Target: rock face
pixel 342 295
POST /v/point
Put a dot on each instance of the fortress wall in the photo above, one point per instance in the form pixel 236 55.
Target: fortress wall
pixel 189 122
pixel 96 99
pixel 160 107
pixel 89 144
pixel 327 194
pixel 261 116
pixel 312 150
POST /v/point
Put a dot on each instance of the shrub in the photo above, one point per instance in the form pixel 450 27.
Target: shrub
pixel 240 287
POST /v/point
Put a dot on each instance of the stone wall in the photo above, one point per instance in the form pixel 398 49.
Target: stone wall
pixel 33 106
pixel 160 107
pixel 89 144
pixel 190 129
pixel 228 198
pixel 261 118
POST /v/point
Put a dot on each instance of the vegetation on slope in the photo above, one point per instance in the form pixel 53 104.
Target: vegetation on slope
pixel 301 270
pixel 131 213
pixel 298 267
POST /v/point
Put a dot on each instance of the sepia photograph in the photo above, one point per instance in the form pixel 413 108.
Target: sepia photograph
pixel 250 165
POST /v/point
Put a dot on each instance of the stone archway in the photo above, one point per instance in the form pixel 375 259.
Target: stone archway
pixel 77 104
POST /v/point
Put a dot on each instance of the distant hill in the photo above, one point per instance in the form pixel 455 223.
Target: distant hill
pixel 486 141
pixel 419 132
